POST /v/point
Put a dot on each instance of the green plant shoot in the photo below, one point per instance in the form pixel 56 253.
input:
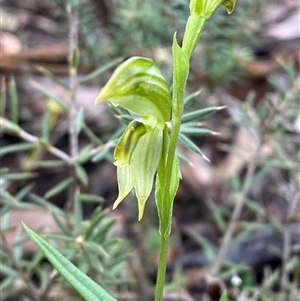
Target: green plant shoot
pixel 146 148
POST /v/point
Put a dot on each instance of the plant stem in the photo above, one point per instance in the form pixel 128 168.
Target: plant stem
pixel 10 127
pixel 181 57
pixel 73 83
pixel 161 273
pixel 165 225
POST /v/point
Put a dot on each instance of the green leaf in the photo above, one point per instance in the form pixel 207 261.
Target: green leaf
pixel 91 135
pixel 218 215
pixel 49 164
pixel 85 286
pixel 61 224
pixel 196 131
pixel 84 155
pixel 53 78
pixel 103 151
pixel 192 97
pixel 96 248
pixel 200 113
pixel 95 219
pixel 13 148
pixel 100 70
pixel 2 100
pixel 180 75
pixel 8 126
pixel 101 233
pixel 79 120
pixel 49 94
pixel 14 101
pixel 46 124
pixel 18 176
pixel 208 248
pixel 91 198
pixel 22 193
pixel 58 188
pixel 75 57
pixel 191 145
pixel 45 204
pixel 224 296
pixel 81 175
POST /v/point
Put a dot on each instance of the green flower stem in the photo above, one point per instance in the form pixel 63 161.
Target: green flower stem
pixel 161 273
pixel 181 57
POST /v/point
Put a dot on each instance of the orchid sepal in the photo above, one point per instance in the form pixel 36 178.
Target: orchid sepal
pixel 138 86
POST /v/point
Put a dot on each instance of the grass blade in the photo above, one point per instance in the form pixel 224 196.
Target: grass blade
pixel 100 70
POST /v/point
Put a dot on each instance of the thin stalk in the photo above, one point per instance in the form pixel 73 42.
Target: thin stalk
pixel 240 202
pixel 73 84
pixel 8 126
pixel 179 84
pixel 161 273
pixel 177 106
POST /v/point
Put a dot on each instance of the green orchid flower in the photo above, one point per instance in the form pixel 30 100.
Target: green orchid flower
pixel 138 86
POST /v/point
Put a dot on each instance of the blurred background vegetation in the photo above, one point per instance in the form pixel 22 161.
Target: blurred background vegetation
pixel 236 219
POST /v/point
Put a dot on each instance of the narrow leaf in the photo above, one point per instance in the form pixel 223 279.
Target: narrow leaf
pixel 95 219
pixel 46 124
pixel 18 176
pixel 101 69
pixel 61 224
pixel 50 75
pixel 14 101
pixel 84 155
pixel 96 248
pixel 85 286
pixel 81 174
pixel 191 145
pixel 49 164
pixel 2 97
pixel 91 135
pixel 91 198
pixel 200 113
pixel 49 94
pixel 197 131
pixel 58 188
pixel 13 148
pixel 224 296
pixel 42 202
pixel 192 97
pixel 75 57
pixel 79 120
pixel 104 150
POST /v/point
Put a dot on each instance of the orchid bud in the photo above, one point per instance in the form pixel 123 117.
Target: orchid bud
pixel 206 8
